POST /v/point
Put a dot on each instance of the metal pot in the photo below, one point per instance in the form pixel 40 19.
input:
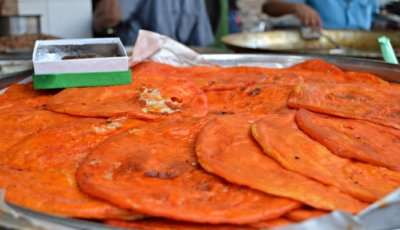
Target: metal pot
pixel 20 24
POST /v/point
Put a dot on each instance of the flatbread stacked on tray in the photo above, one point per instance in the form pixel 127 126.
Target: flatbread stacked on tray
pixel 203 147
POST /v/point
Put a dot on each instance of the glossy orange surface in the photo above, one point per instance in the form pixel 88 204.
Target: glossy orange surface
pixel 303 214
pixel 114 101
pixel 154 170
pixel 282 140
pixel 258 98
pixel 165 224
pixel 39 172
pixel 353 139
pixel 380 105
pixel 225 148
pixel 121 152
pixel 20 121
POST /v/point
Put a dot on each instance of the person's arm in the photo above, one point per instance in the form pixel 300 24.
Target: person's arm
pixel 307 15
pixel 106 15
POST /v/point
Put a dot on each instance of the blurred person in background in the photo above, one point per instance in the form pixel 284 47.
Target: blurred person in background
pixel 329 14
pixel 215 11
pixel 183 20
pixel 234 17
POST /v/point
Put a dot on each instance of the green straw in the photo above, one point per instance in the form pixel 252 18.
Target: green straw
pixel 223 25
pixel 387 50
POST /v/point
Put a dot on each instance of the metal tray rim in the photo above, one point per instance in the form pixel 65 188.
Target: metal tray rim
pixel 221 59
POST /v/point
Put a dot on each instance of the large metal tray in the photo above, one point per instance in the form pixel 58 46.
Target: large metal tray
pixel 386 71
pixel 355 43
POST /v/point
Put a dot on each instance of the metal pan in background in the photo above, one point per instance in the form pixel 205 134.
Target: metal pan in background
pixel 356 43
pixel 20 25
pixel 8 67
pixel 14 70
pixel 386 71
pixel 17 36
pixel 20 47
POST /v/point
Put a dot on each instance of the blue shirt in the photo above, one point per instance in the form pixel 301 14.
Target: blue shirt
pixel 344 14
pixel 183 20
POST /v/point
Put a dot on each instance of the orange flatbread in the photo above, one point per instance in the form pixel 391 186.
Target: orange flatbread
pixel 225 147
pixel 354 139
pixel 240 77
pixel 376 104
pixel 281 139
pixel 96 101
pixel 154 170
pixel 55 192
pixel 283 77
pixel 165 224
pixel 365 78
pixel 63 146
pixel 268 224
pixel 317 70
pixel 151 67
pixel 18 122
pixel 303 214
pixel 318 65
pixel 213 78
pixel 311 77
pixel 228 78
pixel 258 98
pixel 208 78
pixel 43 169
pixel 23 94
pixel 235 78
pixel 298 76
pixel 34 103
pixel 144 99
pixel 221 102
pixel 23 91
pixel 18 91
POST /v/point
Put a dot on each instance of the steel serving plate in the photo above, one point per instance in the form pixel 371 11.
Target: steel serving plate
pixel 29 219
pixel 355 43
